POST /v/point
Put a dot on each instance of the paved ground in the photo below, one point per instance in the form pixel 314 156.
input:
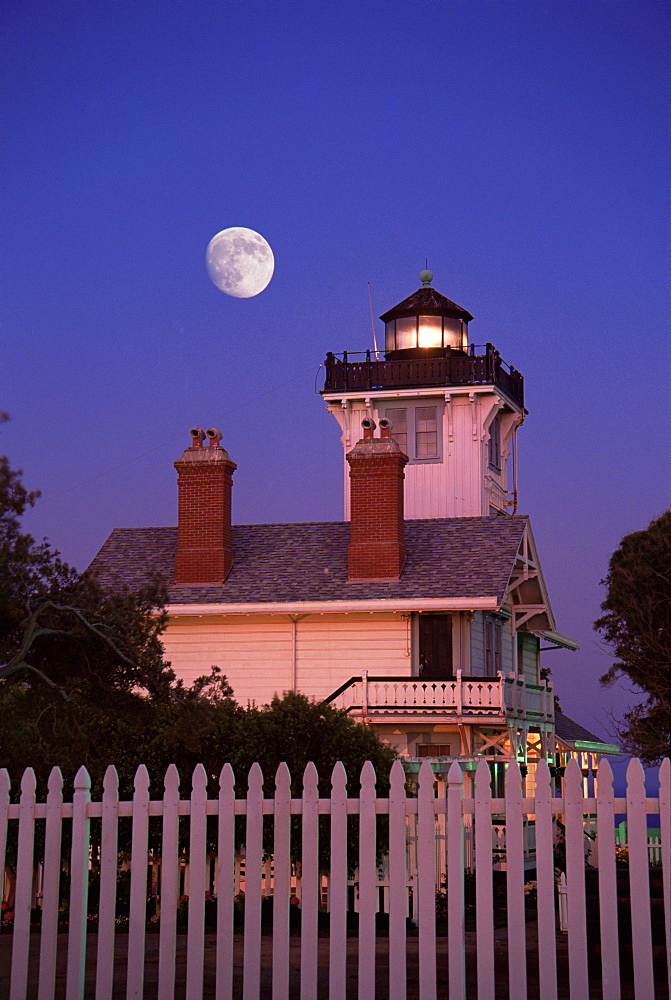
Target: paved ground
pixel 151 968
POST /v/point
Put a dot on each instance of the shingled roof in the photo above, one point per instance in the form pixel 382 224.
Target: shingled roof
pixel 461 558
pixel 428 301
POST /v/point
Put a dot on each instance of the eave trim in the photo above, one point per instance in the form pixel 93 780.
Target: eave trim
pixel 340 607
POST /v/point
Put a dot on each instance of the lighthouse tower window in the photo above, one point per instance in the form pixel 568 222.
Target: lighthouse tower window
pixel 495 445
pixel 416 429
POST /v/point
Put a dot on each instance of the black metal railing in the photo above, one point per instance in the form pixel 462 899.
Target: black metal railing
pixel 455 368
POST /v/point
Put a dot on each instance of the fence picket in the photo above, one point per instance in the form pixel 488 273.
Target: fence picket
pixel 109 838
pixel 253 861
pixel 398 889
pixel 79 885
pixel 195 948
pixel 169 891
pixel 282 883
pixel 639 882
pixel 367 882
pixel 575 880
pixel 226 884
pixel 608 924
pixel 4 818
pixel 138 886
pixel 426 882
pixel 51 877
pixel 309 883
pixel 338 885
pixel 665 846
pixel 484 898
pixel 456 938
pixel 24 877
pixel 545 887
pixel 517 961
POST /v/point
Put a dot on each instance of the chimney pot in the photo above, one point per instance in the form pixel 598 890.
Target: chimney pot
pixel 368 428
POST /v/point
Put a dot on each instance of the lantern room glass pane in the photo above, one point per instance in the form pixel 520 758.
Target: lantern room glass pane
pixel 406 333
pixel 452 332
pixel 430 331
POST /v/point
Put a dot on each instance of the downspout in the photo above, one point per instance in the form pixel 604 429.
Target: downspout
pixel 515 469
pixel 294 619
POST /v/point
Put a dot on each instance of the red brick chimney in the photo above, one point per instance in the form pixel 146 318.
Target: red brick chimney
pixel 204 482
pixel 377 548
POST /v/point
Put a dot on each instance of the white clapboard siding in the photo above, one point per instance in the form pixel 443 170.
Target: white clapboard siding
pixel 256 654
pixel 426 839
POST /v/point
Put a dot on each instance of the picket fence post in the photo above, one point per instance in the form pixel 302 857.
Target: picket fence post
pixel 545 884
pixel 367 882
pixel 665 850
pixel 575 880
pixel 426 882
pixel 109 842
pixel 484 910
pixel 51 884
pixel 309 883
pixel 195 948
pixel 226 884
pixel 24 873
pixel 639 881
pixel 338 885
pixel 398 889
pixel 605 821
pixel 282 883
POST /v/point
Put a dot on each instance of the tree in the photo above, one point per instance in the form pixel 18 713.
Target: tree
pixel 83 681
pixel 637 624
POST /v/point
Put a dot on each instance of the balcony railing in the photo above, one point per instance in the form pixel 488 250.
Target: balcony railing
pixel 499 697
pixel 454 369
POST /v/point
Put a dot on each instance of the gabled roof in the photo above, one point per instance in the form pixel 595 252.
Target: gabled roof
pixel 465 559
pixel 575 736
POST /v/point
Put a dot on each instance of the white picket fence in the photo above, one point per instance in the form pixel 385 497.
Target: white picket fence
pixel 415 820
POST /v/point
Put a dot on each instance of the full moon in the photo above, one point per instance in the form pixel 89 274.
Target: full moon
pixel 239 262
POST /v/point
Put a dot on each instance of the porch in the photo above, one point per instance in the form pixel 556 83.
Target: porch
pixel 409 699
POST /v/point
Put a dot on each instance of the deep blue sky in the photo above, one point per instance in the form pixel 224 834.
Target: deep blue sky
pixel 522 148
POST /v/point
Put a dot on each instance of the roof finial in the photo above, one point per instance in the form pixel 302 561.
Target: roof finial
pixel 426 277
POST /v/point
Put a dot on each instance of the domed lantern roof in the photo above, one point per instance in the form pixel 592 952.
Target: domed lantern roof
pixel 425 324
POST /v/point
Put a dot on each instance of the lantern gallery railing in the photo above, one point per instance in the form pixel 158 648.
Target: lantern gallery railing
pixel 454 368
pixel 374 697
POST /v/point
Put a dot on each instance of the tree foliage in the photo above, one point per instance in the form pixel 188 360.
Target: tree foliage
pixel 83 682
pixel 637 624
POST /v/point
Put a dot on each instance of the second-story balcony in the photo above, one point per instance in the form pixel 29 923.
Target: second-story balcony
pixel 442 368
pixel 411 699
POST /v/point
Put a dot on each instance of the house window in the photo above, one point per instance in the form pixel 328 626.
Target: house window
pixel 492 647
pixel 416 428
pixel 434 750
pixel 495 444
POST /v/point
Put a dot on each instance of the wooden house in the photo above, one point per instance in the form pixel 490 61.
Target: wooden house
pixel 423 613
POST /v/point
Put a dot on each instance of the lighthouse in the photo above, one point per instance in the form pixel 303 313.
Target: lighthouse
pixel 453 407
